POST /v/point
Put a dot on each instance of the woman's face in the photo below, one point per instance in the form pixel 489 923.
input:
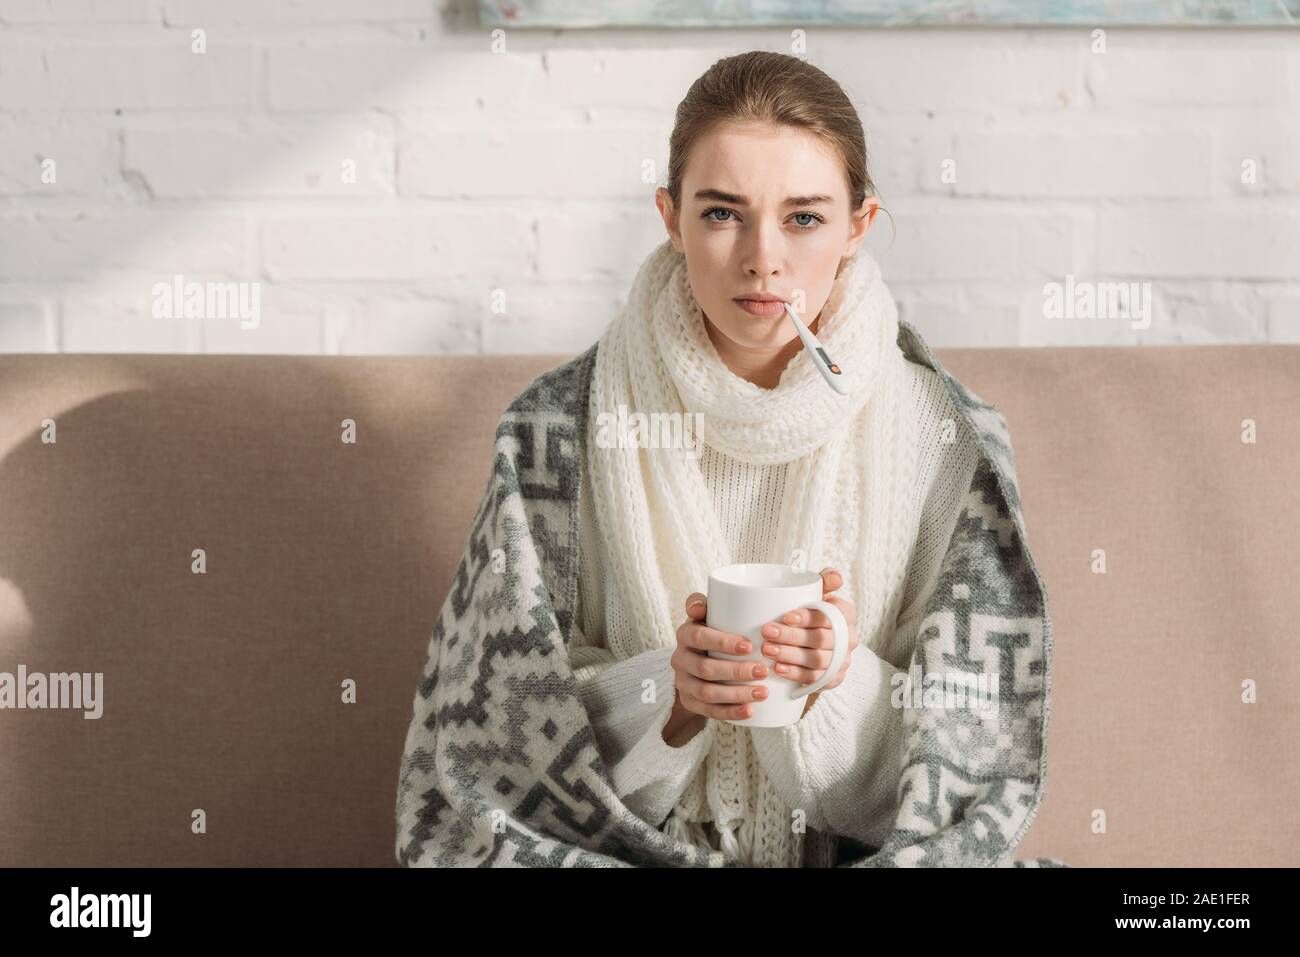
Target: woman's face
pixel 764 210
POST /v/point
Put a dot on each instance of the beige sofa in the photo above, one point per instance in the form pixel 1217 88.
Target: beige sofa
pixel 327 562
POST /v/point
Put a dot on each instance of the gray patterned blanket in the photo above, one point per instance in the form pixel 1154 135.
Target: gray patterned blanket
pixel 501 768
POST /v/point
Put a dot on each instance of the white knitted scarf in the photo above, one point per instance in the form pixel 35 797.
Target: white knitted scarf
pixel 849 498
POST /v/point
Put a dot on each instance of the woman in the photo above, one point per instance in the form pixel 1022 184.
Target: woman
pixel 890 490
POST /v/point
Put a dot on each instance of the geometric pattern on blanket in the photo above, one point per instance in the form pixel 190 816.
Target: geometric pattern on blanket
pixel 500 765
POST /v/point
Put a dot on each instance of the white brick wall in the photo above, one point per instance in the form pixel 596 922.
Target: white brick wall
pixel 394 186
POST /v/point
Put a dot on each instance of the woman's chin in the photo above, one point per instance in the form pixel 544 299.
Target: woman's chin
pixel 775 342
pixel 761 326
pixel 754 332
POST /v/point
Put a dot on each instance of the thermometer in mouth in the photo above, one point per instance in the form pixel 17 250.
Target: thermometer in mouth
pixel 832 373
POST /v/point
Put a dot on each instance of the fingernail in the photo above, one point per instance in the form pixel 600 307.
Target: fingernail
pixel 760 671
pixel 744 648
pixel 771 631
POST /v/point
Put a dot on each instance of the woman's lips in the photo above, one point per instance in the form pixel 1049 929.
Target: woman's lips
pixel 764 308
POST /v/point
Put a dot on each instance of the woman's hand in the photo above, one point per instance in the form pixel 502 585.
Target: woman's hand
pixel 700 695
pixel 802 644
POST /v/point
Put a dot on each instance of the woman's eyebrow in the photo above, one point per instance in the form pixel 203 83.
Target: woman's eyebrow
pixel 721 196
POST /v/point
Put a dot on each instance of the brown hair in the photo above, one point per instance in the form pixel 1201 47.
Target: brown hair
pixel 761 86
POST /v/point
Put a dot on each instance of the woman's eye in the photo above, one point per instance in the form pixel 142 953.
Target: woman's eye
pixel 709 215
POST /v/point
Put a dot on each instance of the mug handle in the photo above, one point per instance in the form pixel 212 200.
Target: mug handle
pixel 841 629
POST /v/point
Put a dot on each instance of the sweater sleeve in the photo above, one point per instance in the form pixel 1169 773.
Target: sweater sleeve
pixel 649 774
pixel 629 702
pixel 840 762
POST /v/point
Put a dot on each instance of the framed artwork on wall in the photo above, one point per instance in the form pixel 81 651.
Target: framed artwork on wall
pixel 888 13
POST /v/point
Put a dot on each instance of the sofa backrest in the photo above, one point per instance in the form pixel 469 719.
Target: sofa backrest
pixel 327 562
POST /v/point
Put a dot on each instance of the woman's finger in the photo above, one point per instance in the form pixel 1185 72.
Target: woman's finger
pixel 714 692
pixel 704 638
pixel 799 636
pixel 697 606
pixel 846 607
pixel 816 618
pixel 805 676
pixel 723 712
pixel 817 658
pixel 805 618
pixel 702 666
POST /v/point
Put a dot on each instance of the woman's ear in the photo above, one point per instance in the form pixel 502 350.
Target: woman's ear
pixel 664 200
pixel 862 219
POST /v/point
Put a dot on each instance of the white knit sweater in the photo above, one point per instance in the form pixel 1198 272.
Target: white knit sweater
pixel 839 762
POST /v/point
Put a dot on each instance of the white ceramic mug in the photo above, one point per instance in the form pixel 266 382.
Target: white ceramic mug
pixel 741 600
